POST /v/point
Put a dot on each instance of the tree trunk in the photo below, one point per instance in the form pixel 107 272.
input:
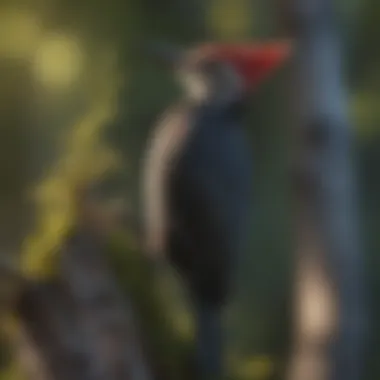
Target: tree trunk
pixel 330 252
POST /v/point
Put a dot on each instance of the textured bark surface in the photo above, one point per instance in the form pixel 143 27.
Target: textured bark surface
pixel 329 244
pixel 80 326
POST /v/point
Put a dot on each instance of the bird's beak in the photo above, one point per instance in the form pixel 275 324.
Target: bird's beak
pixel 255 61
pixel 165 54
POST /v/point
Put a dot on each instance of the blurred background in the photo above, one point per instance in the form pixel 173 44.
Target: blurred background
pixel 77 102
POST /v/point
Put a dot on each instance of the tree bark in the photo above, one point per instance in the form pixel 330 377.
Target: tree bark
pixel 80 326
pixel 329 246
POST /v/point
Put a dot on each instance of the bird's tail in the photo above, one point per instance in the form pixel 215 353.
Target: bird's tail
pixel 209 341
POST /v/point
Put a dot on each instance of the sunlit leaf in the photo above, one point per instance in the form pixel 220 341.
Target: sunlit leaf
pixel 58 61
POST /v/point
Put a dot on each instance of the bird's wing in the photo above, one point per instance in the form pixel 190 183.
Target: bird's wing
pixel 164 144
pixel 200 240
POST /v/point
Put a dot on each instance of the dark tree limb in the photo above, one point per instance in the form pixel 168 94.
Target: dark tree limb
pixel 80 326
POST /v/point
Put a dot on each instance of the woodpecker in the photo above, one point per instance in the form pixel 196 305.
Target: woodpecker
pixel 197 177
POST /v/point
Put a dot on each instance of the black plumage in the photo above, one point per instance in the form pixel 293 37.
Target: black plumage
pixel 208 199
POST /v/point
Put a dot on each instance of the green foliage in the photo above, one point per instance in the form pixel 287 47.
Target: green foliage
pixel 85 160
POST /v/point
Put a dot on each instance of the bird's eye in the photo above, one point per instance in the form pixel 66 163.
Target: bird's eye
pixel 219 71
pixel 212 67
